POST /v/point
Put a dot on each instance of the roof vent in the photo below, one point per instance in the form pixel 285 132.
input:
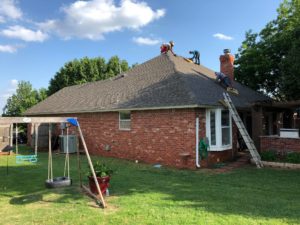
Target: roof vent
pixel 120 76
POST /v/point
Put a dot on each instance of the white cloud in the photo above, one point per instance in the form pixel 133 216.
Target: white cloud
pixel 5 93
pixel 222 37
pixel 14 83
pixel 8 48
pixel 9 10
pixel 146 41
pixel 92 19
pixel 22 33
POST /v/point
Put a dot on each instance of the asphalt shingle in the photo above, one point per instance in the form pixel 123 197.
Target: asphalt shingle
pixel 165 81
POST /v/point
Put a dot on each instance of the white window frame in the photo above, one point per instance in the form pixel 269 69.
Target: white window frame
pixel 218 122
pixel 122 120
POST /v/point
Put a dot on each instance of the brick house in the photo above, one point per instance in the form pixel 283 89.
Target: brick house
pixel 149 113
pixel 281 127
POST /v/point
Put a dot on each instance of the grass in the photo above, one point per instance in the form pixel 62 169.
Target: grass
pixel 141 194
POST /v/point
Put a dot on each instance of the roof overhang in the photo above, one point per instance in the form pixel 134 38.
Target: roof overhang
pixel 122 109
pixel 284 105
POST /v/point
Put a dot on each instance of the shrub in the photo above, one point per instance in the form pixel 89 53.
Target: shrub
pixel 268 155
pixel 293 157
pixel 101 170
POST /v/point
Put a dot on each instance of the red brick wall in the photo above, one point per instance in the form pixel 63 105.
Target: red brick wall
pixel 279 144
pixel 156 136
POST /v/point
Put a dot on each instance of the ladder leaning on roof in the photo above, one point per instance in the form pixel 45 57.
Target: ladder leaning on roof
pixel 249 142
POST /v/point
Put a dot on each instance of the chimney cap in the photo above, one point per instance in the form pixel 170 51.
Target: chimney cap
pixel 226 50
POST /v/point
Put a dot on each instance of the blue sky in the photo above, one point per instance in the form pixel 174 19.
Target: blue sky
pixel 38 37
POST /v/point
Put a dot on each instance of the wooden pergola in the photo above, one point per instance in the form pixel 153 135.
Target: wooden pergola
pixel 55 120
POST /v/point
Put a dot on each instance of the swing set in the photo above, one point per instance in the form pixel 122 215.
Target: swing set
pixel 53 182
pixel 26 158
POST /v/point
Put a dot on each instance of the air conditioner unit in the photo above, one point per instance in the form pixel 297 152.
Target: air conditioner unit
pixel 72 142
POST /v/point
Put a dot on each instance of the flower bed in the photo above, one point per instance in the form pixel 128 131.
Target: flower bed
pixel 279 164
pixel 271 158
pixel 280 156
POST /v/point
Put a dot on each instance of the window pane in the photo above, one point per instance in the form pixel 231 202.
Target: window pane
pixel 212 128
pixel 226 136
pixel 125 125
pixel 125 120
pixel 225 118
pixel 125 115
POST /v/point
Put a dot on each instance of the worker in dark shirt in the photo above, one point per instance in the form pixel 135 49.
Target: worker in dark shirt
pixel 223 78
pixel 196 56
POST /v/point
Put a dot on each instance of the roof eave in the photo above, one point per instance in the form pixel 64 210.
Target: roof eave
pixel 122 109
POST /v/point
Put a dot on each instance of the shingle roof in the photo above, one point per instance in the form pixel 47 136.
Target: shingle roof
pixel 162 82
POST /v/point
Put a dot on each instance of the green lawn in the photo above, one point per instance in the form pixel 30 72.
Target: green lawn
pixel 141 194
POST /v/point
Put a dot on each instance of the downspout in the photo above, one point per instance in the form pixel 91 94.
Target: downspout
pixel 197 143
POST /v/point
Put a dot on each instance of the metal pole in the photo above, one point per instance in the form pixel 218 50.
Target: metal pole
pixel 11 134
pixel 50 170
pixel 7 164
pixel 17 149
pixel 36 132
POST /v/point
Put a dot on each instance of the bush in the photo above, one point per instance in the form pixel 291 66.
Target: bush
pixel 268 155
pixel 293 157
pixel 101 170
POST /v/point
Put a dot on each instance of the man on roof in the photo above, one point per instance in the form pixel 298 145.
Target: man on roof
pixel 223 79
pixel 164 48
pixel 195 57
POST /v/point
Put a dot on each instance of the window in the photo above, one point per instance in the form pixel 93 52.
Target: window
pixel 212 128
pixel 124 120
pixel 225 127
pixel 218 129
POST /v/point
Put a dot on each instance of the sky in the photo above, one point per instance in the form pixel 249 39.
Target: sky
pixel 38 37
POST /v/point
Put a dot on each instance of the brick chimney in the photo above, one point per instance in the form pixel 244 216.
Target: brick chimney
pixel 226 64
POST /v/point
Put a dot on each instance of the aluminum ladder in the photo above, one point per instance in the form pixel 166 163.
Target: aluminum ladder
pixel 243 131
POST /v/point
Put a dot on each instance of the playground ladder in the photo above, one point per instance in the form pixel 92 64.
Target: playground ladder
pixel 243 131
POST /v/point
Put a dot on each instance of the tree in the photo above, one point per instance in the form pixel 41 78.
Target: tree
pixel 24 98
pixel 86 70
pixel 269 61
pixel 290 80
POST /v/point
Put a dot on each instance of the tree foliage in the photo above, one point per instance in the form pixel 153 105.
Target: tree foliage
pixel 86 70
pixel 24 98
pixel 269 61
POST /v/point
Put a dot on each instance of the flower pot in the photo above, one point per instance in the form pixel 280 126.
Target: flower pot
pixel 103 183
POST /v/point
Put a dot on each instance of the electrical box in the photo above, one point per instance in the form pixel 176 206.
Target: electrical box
pixel 73 143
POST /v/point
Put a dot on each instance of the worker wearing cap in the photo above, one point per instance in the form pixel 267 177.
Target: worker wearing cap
pixel 223 78
pixel 195 57
pixel 164 48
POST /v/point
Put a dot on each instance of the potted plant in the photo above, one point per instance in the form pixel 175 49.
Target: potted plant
pixel 103 174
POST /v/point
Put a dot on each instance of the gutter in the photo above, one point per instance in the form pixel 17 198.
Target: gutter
pixel 197 143
pixel 116 110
